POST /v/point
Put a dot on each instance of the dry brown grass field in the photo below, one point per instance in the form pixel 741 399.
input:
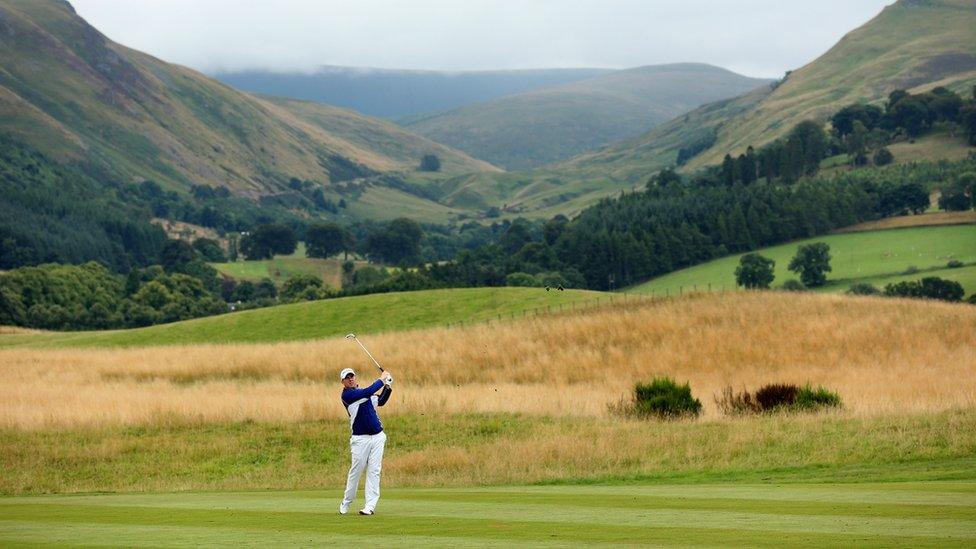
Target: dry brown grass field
pixel 882 356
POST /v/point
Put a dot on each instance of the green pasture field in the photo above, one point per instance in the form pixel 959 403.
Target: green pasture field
pixel 281 267
pixel 875 257
pixel 325 318
pixel 916 514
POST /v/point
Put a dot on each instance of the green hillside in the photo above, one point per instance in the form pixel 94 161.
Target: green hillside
pixel 913 45
pixel 542 126
pixel 874 257
pixel 319 319
pixel 73 94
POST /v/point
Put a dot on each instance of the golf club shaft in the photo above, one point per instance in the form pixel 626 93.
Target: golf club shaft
pixel 369 354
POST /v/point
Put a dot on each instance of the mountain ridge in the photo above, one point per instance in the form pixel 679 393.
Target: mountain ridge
pixel 545 125
pixel 75 95
pixel 913 44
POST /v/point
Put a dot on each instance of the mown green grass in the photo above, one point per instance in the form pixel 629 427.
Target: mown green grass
pixel 920 514
pixel 319 319
pixel 875 257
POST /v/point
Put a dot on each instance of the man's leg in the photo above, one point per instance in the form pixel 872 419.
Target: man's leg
pixel 373 467
pixel 360 453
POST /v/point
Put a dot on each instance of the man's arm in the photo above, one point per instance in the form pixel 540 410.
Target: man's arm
pixel 355 394
pixel 384 395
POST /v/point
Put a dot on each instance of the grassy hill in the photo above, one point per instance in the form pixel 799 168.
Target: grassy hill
pixel 545 125
pixel 321 319
pixel 911 45
pixel 874 257
pixel 397 93
pixel 73 94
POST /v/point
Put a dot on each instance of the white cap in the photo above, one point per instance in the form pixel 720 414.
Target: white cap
pixel 345 372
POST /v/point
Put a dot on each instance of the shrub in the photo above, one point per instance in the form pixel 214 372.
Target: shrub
pixel 971 299
pixel 910 270
pixel 863 288
pixel 927 288
pixel 793 285
pixel 731 403
pixel 954 264
pixel 661 398
pixel 812 398
pixel 776 395
pixel 430 163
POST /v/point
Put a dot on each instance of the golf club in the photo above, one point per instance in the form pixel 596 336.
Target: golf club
pixel 353 336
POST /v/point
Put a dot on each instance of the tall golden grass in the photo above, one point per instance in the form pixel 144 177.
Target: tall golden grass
pixel 881 355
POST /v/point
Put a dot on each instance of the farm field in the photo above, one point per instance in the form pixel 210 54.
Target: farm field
pixel 280 268
pixel 915 514
pixel 326 318
pixel 877 257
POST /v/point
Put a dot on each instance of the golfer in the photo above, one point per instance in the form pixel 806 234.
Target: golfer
pixel 367 439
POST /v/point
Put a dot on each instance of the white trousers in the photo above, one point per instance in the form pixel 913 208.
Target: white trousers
pixel 367 453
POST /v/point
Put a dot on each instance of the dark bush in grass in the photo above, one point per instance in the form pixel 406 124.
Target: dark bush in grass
pixel 863 288
pixel 661 398
pixel 776 395
pixel 793 285
pixel 971 299
pixel 813 398
pixel 954 264
pixel 732 403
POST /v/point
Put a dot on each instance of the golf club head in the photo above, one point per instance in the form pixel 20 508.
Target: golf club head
pixel 350 336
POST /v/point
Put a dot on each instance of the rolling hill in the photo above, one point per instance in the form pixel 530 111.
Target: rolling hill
pixel 75 95
pixel 912 44
pixel 541 126
pixel 319 319
pixel 393 94
pixel 872 257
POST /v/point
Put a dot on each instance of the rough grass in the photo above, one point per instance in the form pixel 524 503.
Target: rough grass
pixel 327 318
pixel 480 449
pixel 876 257
pixel 881 355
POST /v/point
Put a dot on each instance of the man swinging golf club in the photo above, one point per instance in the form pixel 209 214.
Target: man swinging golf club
pixel 367 439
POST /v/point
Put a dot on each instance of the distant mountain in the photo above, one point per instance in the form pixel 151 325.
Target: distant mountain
pixel 74 95
pixel 542 126
pixel 399 93
pixel 912 44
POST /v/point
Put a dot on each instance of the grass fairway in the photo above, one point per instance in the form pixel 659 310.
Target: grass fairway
pixel 876 257
pixel 917 514
pixel 320 319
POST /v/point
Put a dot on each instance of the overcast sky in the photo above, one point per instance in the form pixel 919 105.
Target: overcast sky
pixel 753 37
